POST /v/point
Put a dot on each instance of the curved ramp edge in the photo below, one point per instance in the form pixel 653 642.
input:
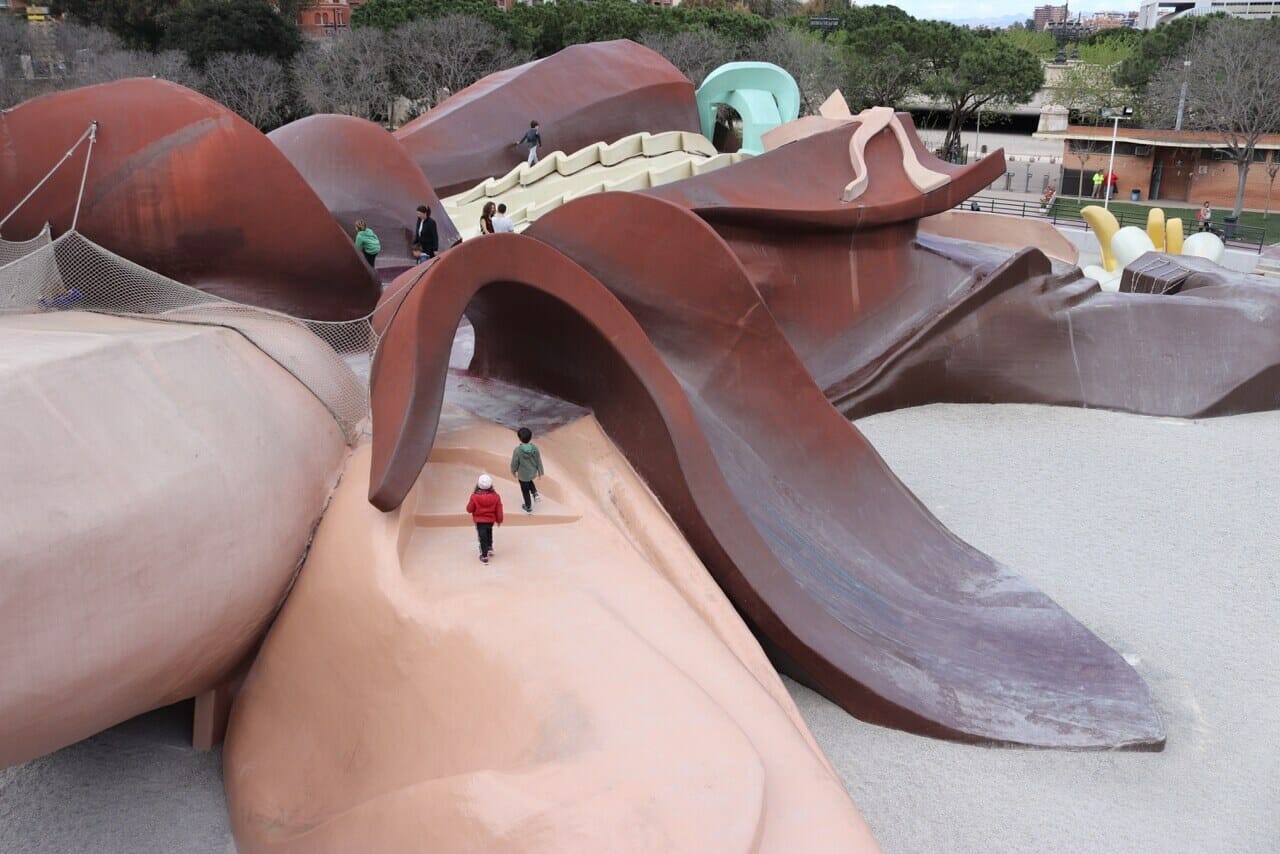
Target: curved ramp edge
pixel 827 555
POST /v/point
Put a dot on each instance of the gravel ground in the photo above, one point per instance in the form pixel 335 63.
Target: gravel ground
pixel 1158 534
pixel 1161 536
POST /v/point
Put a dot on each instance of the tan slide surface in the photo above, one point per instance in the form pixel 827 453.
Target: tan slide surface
pixel 590 689
pixel 636 162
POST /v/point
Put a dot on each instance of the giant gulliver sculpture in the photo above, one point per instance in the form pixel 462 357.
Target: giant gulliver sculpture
pixel 405 698
pixel 185 187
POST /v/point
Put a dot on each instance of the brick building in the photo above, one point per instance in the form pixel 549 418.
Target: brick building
pixel 1046 15
pixel 327 18
pixel 1166 165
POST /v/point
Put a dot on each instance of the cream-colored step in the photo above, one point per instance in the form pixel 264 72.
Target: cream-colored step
pixel 637 162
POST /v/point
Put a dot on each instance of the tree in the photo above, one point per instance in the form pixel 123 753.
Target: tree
pixel 1086 89
pixel 968 70
pixel 15 43
pixel 814 64
pixel 203 28
pixel 1231 91
pixel 138 23
pixel 254 86
pixel 349 73
pixel 1157 48
pixel 695 52
pixel 435 57
pixel 1272 168
pixel 882 56
pixel 1036 42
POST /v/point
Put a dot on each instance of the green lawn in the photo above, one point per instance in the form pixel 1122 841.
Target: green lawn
pixel 1136 214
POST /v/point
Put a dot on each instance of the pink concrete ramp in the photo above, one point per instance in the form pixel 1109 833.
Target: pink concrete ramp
pixel 589 689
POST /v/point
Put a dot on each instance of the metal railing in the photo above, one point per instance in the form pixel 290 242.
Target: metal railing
pixel 1249 237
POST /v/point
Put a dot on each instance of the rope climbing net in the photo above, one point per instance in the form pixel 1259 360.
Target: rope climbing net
pixel 72 273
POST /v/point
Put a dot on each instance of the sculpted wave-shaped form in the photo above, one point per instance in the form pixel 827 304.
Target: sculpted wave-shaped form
pixel 617 88
pixel 185 187
pixel 854 585
pixel 360 171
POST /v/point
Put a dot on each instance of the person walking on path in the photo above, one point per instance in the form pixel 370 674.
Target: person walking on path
pixel 419 256
pixel 425 233
pixel 1097 184
pixel 485 508
pixel 526 464
pixel 1204 216
pixel 367 242
pixel 486 218
pixel 533 139
pixel 502 223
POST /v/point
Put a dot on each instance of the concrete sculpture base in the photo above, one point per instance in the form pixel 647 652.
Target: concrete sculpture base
pixel 590 689
pixel 163 481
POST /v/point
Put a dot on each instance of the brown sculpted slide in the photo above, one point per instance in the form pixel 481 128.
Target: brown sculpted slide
pixel 186 188
pixel 584 94
pixel 851 582
pixel 886 315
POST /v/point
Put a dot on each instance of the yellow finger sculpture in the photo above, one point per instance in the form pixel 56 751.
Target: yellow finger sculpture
pixel 1104 225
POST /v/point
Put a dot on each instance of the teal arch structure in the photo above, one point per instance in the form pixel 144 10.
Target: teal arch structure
pixel 763 94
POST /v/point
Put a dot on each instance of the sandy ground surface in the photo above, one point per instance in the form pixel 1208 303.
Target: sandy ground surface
pixel 1158 534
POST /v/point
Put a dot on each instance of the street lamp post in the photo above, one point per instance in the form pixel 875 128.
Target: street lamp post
pixel 977 137
pixel 1116 118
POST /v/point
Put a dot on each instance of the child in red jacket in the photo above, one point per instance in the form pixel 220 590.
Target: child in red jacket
pixel 485 508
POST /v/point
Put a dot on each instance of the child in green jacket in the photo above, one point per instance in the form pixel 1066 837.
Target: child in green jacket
pixel 367 242
pixel 526 464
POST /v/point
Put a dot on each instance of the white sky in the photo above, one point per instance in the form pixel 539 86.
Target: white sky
pixel 950 10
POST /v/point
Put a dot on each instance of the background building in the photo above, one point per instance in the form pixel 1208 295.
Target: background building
pixel 1046 15
pixel 327 17
pixel 1165 165
pixel 1155 12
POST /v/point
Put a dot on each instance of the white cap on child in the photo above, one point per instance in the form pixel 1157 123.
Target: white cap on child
pixel 485 482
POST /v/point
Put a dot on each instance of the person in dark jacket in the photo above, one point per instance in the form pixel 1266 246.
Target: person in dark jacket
pixel 526 464
pixel 485 508
pixel 425 233
pixel 532 138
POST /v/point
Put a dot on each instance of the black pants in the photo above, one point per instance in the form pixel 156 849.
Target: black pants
pixel 528 491
pixel 484 530
pixel 370 258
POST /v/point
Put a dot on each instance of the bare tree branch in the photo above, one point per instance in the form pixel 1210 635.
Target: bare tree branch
pixel 1231 90
pixel 254 86
pixel 695 52
pixel 435 57
pixel 348 73
pixel 15 44
pixel 813 63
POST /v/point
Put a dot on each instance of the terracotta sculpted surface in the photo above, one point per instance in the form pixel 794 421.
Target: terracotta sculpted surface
pixel 885 314
pixel 360 171
pixel 161 483
pixel 588 690
pixel 186 188
pixel 856 588
pixel 584 94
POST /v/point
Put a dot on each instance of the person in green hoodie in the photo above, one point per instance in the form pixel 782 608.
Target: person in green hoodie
pixel 367 242
pixel 526 464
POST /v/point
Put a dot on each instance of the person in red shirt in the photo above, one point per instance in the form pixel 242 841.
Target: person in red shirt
pixel 485 508
pixel 1113 184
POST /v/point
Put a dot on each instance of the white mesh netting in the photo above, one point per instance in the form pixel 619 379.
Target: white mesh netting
pixel 72 273
pixel 12 251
